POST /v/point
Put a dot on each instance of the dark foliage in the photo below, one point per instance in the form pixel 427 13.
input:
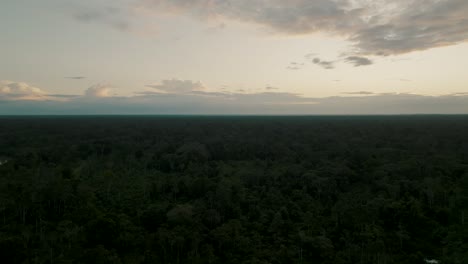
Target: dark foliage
pixel 234 189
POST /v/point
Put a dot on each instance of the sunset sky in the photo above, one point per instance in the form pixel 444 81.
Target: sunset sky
pixel 233 57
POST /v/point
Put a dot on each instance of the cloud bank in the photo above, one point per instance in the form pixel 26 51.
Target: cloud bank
pixel 98 91
pixel 379 28
pixel 358 61
pixel 176 86
pixel 20 91
pixel 113 15
pixel 189 97
pixel 324 64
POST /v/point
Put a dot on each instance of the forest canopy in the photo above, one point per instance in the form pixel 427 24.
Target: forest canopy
pixel 234 189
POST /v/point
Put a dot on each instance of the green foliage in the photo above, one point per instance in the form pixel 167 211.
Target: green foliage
pixel 234 190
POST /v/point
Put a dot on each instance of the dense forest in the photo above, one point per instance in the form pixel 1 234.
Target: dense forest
pixel 258 190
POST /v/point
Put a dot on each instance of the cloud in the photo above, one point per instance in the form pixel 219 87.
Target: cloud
pixel 65 96
pixel 98 91
pixel 299 16
pixel 190 97
pixel 358 61
pixel 76 77
pixel 324 64
pixel 328 65
pixel 269 103
pixel 269 88
pixel 176 86
pixel 310 56
pixel 415 25
pixel 114 16
pixel 216 28
pixel 295 66
pixel 459 94
pixel 20 91
pixel 394 103
pixel 383 27
pixel 359 93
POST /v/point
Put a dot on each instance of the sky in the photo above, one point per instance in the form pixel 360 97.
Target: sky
pixel 306 57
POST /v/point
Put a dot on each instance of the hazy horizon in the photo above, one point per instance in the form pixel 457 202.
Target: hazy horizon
pixel 234 57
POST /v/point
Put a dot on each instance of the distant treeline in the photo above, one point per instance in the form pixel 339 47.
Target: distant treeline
pixel 334 190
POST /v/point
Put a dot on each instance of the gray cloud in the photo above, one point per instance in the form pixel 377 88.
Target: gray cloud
pixel 295 65
pixel 113 16
pixel 359 93
pixel 269 88
pixel 459 94
pixel 384 27
pixel 358 61
pixel 416 25
pixel 324 64
pixel 20 91
pixel 98 91
pixel 191 94
pixel 216 28
pixel 65 96
pixel 237 103
pixel 189 97
pixel 76 77
pixel 300 16
pixel 177 86
pixel 310 56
